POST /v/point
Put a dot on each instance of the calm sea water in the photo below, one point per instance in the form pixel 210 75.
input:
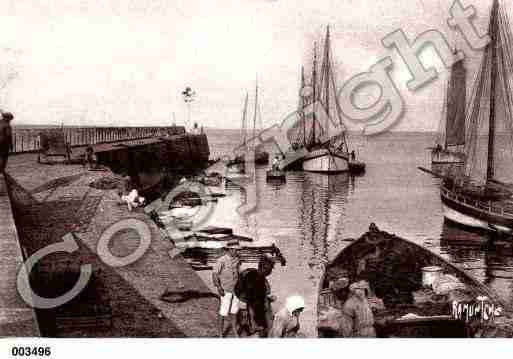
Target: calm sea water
pixel 312 217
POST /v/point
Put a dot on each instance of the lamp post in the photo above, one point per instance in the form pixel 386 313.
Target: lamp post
pixel 188 96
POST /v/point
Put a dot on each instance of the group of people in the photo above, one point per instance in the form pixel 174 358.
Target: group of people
pixel 6 143
pixel 245 299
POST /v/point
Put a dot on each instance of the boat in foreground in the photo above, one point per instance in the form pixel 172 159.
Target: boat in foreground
pixel 413 292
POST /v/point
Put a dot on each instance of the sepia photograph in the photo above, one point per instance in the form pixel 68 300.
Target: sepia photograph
pixel 249 169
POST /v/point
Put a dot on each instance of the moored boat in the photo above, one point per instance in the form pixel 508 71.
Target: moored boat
pixel 319 142
pixel 324 161
pixel 474 210
pixel 212 180
pixel 413 292
pixel 275 175
pixel 451 134
pixel 441 156
pixel 328 153
pixel 261 157
pixel 356 167
pixel 202 254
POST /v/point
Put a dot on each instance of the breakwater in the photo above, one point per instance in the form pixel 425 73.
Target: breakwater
pixel 150 155
pixel 57 200
pixel 137 299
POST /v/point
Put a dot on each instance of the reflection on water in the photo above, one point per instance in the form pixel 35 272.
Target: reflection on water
pixel 305 217
pixel 323 202
pixel 490 263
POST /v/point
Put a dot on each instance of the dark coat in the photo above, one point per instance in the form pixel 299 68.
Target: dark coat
pixel 5 137
pixel 253 289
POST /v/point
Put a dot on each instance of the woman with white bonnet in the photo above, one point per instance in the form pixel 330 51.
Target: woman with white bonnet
pixel 286 321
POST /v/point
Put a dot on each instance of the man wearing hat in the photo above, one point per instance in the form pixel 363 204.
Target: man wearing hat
pixel 224 276
pixel 357 318
pixel 5 139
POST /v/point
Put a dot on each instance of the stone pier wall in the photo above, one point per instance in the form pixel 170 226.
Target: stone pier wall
pixel 16 317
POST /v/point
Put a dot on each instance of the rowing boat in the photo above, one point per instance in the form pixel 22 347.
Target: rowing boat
pixel 404 302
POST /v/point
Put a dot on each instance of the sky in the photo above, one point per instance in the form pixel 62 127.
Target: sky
pixel 126 62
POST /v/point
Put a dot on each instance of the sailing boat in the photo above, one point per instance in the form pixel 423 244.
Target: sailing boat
pixel 480 199
pixel 313 148
pixel 261 156
pixel 326 154
pixel 452 135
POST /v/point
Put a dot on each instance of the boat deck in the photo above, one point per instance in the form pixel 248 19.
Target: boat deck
pixel 501 207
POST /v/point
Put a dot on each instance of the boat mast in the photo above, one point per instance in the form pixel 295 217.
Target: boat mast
pixel 314 85
pixel 256 108
pixel 330 77
pixel 442 130
pixel 491 122
pixel 302 104
pixel 326 78
pixel 244 114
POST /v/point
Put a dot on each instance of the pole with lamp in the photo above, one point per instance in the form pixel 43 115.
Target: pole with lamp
pixel 188 96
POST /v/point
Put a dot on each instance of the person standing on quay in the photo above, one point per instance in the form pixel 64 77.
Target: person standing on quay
pixel 254 293
pixel 224 276
pixel 5 139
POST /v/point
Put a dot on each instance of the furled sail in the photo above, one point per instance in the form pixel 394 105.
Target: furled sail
pixel 456 97
pixel 310 131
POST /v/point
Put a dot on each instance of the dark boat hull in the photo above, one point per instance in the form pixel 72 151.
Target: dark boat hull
pixel 356 167
pixel 261 158
pixel 275 175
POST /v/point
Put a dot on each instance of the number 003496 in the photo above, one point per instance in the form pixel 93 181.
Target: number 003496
pixel 31 351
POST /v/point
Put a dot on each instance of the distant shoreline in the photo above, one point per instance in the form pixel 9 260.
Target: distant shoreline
pixel 214 131
pixel 209 129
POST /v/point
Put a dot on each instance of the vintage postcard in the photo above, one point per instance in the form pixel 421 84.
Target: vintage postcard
pixel 255 169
